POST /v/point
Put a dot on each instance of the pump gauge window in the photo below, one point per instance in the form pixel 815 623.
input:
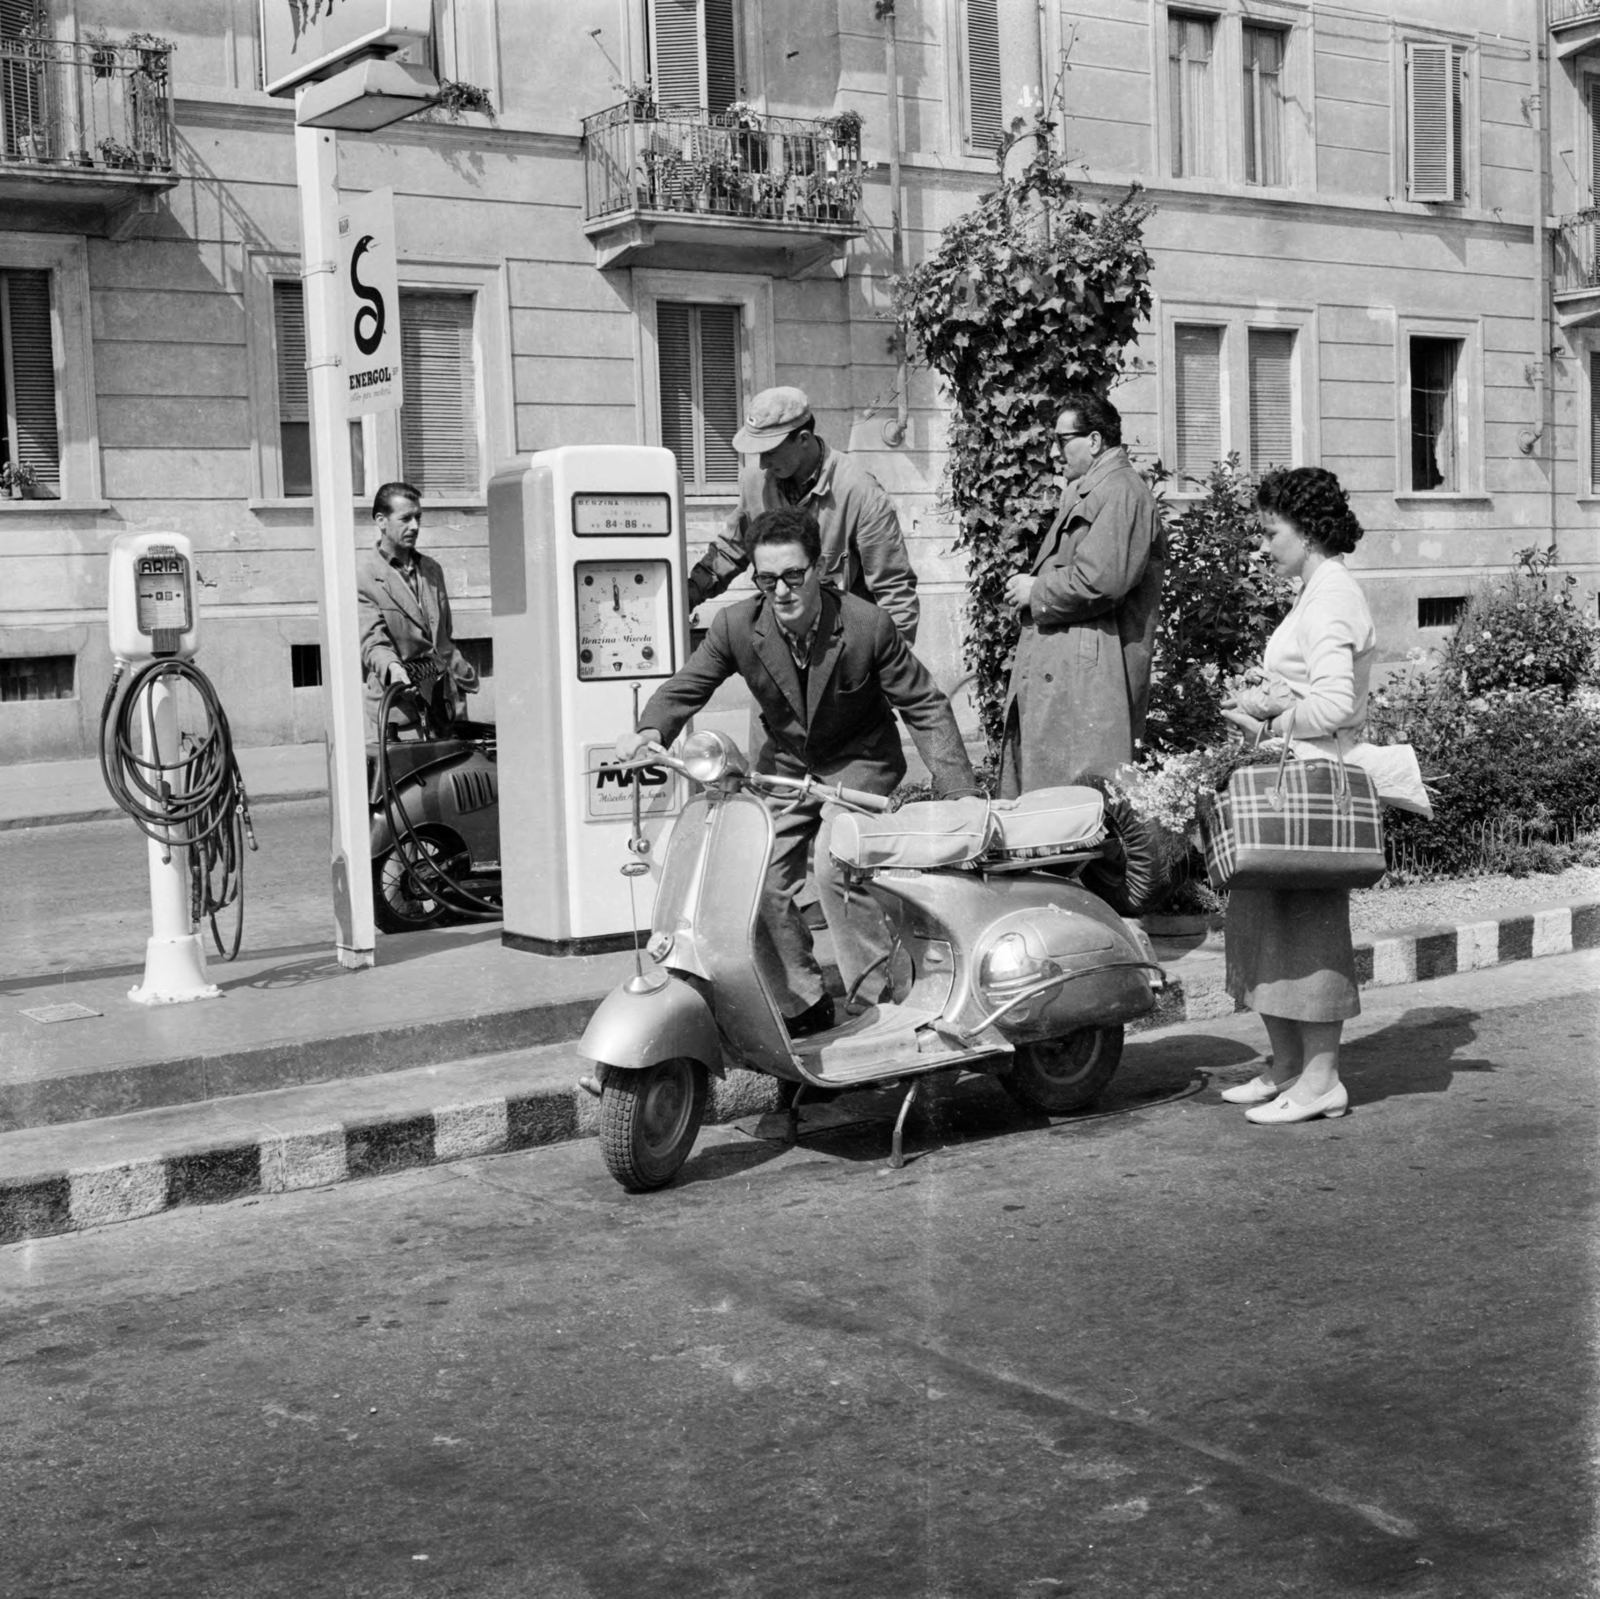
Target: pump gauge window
pixel 624 619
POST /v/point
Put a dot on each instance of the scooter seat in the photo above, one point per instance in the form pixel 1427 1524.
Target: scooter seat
pixel 923 836
pixel 1048 821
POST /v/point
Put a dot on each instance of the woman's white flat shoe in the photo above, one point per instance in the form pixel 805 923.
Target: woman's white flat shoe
pixel 1283 1109
pixel 1257 1091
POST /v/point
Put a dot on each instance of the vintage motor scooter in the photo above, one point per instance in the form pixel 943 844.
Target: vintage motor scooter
pixel 434 803
pixel 1001 962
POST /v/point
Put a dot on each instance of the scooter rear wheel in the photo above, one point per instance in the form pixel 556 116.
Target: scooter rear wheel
pixel 1058 1075
pixel 649 1119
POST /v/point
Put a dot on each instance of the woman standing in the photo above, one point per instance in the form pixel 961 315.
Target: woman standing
pixel 1289 955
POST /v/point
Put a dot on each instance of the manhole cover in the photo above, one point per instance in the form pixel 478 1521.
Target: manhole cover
pixel 70 1012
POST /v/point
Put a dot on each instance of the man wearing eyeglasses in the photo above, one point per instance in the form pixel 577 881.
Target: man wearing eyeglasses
pixel 1080 684
pixel 828 671
pixel 863 550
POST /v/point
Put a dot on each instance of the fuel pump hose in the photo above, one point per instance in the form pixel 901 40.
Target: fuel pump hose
pixel 198 803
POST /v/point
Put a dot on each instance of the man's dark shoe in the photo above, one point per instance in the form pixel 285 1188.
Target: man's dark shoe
pixel 816 1018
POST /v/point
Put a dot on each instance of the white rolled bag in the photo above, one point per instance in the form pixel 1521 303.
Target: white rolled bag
pixel 1393 769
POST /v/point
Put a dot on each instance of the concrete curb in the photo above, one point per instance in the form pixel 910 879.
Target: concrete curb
pixel 111 813
pixel 38 1205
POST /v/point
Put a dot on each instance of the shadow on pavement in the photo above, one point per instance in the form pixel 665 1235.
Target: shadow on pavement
pixel 1415 1055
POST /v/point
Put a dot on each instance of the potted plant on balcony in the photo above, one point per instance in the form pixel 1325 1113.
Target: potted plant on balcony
pixel 18 479
pixel 843 131
pixel 102 53
pixel 749 136
pixel 34 145
pixel 117 155
pixel 456 98
pixel 640 101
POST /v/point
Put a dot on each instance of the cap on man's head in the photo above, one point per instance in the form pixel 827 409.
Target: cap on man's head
pixel 773 415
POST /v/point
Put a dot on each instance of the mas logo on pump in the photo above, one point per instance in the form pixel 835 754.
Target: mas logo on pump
pixel 610 787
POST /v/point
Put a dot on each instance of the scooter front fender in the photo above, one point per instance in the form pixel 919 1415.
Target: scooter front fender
pixel 636 1027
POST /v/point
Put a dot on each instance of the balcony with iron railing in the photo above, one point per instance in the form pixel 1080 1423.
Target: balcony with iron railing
pixel 84 123
pixel 1575 269
pixel 657 179
pixel 1574 25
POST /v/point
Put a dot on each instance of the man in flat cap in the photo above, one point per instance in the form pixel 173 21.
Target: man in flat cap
pixel 863 550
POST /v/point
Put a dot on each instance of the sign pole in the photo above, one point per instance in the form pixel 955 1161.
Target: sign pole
pixel 333 493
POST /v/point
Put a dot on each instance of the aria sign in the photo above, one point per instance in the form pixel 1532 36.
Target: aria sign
pixel 306 39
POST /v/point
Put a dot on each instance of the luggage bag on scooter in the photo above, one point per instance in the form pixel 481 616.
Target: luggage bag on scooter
pixel 922 836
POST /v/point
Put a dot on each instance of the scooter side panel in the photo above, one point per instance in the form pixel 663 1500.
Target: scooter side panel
pixel 636 1029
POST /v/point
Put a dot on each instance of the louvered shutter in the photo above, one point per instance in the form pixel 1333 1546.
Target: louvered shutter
pixel 722 69
pixel 439 421
pixel 985 116
pixel 289 332
pixel 698 360
pixel 720 397
pixel 1271 361
pixel 1433 124
pixel 675 363
pixel 1197 387
pixel 1594 422
pixel 675 46
pixel 30 376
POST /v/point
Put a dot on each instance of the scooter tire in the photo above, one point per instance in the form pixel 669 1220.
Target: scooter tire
pixel 1061 1075
pixel 649 1120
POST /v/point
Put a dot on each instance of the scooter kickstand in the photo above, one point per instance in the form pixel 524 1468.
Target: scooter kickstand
pixel 897 1157
pixel 791 1135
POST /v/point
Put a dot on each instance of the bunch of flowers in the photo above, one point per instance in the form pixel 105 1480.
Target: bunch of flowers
pixel 1168 792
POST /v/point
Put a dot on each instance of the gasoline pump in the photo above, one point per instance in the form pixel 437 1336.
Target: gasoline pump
pixel 182 789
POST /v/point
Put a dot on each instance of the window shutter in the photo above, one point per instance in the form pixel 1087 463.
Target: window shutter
pixel 1594 138
pixel 1594 422
pixel 1432 93
pixel 1271 360
pixel 985 116
pixel 30 375
pixel 1197 386
pixel 722 69
pixel 289 333
pixel 720 405
pixel 675 44
pixel 439 421
pixel 701 386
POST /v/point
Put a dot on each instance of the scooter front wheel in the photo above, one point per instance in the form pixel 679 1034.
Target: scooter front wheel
pixel 649 1119
pixel 1058 1075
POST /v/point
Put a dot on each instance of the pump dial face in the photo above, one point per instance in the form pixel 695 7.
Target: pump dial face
pixel 624 619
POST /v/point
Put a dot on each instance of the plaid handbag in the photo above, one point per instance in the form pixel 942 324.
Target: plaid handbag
pixel 1301 824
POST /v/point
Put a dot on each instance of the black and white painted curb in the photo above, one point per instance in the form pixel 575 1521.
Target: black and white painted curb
pixel 35 1206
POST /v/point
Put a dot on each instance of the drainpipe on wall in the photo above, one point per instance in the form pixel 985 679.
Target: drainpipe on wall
pixel 894 432
pixel 1530 438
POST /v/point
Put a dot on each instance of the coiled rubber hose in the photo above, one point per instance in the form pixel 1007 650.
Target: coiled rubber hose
pixel 198 804
pixel 425 874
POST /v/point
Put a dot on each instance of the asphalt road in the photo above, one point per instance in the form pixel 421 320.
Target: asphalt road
pixel 1151 1352
pixel 78 894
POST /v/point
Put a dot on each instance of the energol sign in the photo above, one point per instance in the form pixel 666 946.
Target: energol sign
pixel 370 294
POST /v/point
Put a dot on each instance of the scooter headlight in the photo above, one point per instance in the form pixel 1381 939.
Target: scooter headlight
pixel 1010 966
pixel 709 756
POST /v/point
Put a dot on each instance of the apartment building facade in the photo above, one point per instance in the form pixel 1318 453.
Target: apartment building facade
pixel 671 208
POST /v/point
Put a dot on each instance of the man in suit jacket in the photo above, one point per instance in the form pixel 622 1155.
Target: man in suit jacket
pixel 825 669
pixel 1080 684
pixel 405 614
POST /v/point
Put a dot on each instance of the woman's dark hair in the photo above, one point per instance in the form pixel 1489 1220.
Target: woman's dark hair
pixel 1310 498
pixel 1095 413
pixel 787 527
pixel 383 500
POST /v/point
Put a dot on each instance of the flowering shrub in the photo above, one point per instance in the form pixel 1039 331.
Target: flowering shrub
pixel 1220 600
pixel 1522 631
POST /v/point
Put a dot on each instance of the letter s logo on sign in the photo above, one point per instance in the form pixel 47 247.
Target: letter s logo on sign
pixel 372 312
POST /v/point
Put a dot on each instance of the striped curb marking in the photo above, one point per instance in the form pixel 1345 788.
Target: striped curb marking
pixel 319 1156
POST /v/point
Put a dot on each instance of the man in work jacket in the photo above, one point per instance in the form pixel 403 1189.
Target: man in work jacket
pixel 863 550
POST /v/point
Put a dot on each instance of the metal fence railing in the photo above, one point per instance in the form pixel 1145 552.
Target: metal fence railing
pixel 1577 255
pixel 85 106
pixel 1572 11
pixel 641 158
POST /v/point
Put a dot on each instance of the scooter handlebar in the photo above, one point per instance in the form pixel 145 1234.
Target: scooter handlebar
pixel 859 799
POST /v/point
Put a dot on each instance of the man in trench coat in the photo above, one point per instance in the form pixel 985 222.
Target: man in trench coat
pixel 1080 684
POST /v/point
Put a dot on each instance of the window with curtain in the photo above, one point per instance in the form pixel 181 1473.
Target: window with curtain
pixel 1435 414
pixel 694 54
pixel 1197 396
pixel 1270 360
pixel 1435 121
pixel 439 424
pixel 699 361
pixel 985 108
pixel 27 348
pixel 1189 49
pixel 294 397
pixel 1263 104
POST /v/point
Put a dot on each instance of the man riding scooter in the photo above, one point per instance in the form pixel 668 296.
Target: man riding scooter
pixel 825 669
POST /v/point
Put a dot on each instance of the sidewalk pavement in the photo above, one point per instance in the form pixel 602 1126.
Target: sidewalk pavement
pixel 306 1074
pixel 38 793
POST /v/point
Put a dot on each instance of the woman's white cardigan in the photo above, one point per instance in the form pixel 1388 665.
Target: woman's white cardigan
pixel 1322 655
